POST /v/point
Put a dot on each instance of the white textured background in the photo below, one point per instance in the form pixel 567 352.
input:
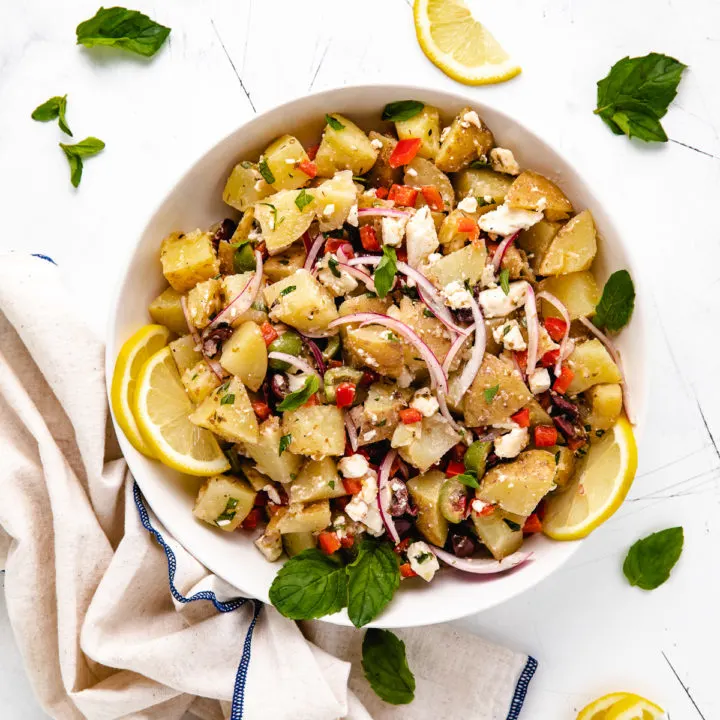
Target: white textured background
pixel 589 630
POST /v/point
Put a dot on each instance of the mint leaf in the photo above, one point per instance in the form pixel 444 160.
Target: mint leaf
pixel 636 93
pixel 334 123
pixel 287 290
pixel 303 199
pixel 386 668
pixel 384 275
pixel 228 514
pixel 650 560
pixel 298 398
pixel 53 108
pixel 402 110
pixel 617 302
pixel 126 29
pixel 333 267
pixel 75 153
pixel 267 176
pixel 309 586
pixel 505 281
pixel 372 581
pixel 285 441
pixel 228 399
pixel 468 480
pixel 490 393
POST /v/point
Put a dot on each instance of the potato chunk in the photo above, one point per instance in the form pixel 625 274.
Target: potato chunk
pixel 344 147
pixel 232 286
pixel 334 198
pixel 578 291
pixel 281 220
pixel 305 518
pixel 432 332
pixel 497 536
pixel 299 300
pixel 285 263
pixel 592 365
pixel 467 263
pixel 166 309
pixel 203 302
pixel 224 501
pixel 245 186
pixel 382 175
pixel 532 191
pixel 436 438
pixel 317 431
pixel 283 157
pixel 518 486
pixel 375 347
pixel 536 240
pixel 483 404
pixel 199 381
pixel 483 183
pixel 425 492
pixel 378 417
pixel 318 480
pixel 573 249
pixel 464 142
pixel 266 453
pixel 564 465
pixel 421 172
pixel 227 412
pixel 426 126
pixel 188 259
pixel 605 405
pixel 245 354
pixel 184 353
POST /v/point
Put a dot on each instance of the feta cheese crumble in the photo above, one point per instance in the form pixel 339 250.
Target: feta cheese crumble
pixel 506 220
pixel 393 230
pixel 422 236
pixel 457 295
pixel 338 286
pixel 273 494
pixel 353 466
pixel 352 218
pixel 539 381
pixel 444 133
pixel 495 303
pixel 509 335
pixel 468 204
pixel 487 279
pixel 472 118
pixel 412 172
pixel 328 210
pixel 377 144
pixel 502 160
pixel 510 445
pixel 425 403
pixel 422 560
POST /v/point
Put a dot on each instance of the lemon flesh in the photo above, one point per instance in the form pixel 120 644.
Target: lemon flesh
pixel 621 706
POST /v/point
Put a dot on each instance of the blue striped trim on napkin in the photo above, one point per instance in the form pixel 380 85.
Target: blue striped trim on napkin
pixel 521 688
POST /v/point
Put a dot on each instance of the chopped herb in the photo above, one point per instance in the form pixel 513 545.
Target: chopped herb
pixel 382 423
pixel 303 199
pixel 599 433
pixel 410 292
pixel 384 275
pixel 224 387
pixel 557 457
pixel 331 483
pixel 285 441
pixel 287 290
pixel 75 153
pixel 265 171
pixel 490 393
pixel 478 164
pixel 427 313
pixel 228 399
pixel 402 110
pixel 482 202
pixel 334 123
pixel 275 214
pixel 295 399
pixel 506 329
pixel 505 280
pixel 228 514
pixel 360 179
pixel 512 525
pixel 53 108
pixel 617 302
pixel 333 266
pixel 467 479
pixel 194 377
pixel 423 557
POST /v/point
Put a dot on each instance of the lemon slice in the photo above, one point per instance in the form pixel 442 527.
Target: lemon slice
pixel 459 45
pixel 161 407
pixel 133 355
pixel 598 489
pixel 621 706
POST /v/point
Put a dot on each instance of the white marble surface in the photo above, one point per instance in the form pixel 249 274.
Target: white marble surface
pixel 589 630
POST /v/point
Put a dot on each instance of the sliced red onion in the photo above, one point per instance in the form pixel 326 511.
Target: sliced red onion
pixel 214 365
pixel 316 353
pixel 455 348
pixel 502 249
pixel 566 317
pixel 307 242
pixel 244 300
pixel 404 471
pixel 314 251
pixel 478 352
pixel 482 566
pixel 532 329
pixel 490 435
pixel 295 362
pixel 384 493
pixel 318 335
pixel 351 430
pixel 607 342
pixel 359 275
pixel 437 376
pixel 382 212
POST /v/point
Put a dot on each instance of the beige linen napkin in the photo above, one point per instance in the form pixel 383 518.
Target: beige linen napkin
pixel 114 619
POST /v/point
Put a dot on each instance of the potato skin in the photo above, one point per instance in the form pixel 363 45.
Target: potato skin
pixel 464 143
pixel 532 191
pixel 317 431
pixel 574 247
pixel 188 258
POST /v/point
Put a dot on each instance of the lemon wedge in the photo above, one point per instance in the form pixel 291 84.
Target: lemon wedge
pixel 133 355
pixel 621 706
pixel 161 407
pixel 459 45
pixel 598 489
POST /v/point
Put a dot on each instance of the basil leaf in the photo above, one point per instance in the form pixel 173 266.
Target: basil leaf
pixel 75 153
pixel 386 668
pixel 384 275
pixel 636 93
pixel 285 441
pixel 122 28
pixel 267 176
pixel 309 586
pixel 650 560
pixel 334 123
pixel 53 108
pixel 490 393
pixel 295 399
pixel 468 480
pixel 372 581
pixel 287 290
pixel 617 302
pixel 333 266
pixel 402 110
pixel 303 199
pixel 505 281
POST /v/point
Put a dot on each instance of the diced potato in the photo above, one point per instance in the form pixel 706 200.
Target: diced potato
pixel 382 175
pixel 317 431
pixel 226 257
pixel 532 191
pixel 334 198
pixel 536 240
pixel 518 486
pixel 378 417
pixel 224 501
pixel 516 263
pixel 485 408
pixel 245 186
pixel 227 412
pixel 436 439
pixel 203 302
pixel 245 354
pixel 188 259
pixel 166 310
pixel 301 301
pixel 464 143
pixel 305 518
pixel 421 172
pixel 363 303
pixel 592 365
pixel 184 353
pixel 285 263
pixel 244 227
pixel 281 220
pixel 283 157
pixel 573 248
pixel 232 286
pixel 564 465
pixel 347 148
pixel 497 536
pixel 266 453
pixel 605 405
pixel 270 544
pixel 199 381
pixel 578 291
pixel 426 126
pixel 538 416
pixel 295 543
pixel 450 236
pixel 318 480
pixel 425 492
pixel 461 265
pixel 483 183
pixel 253 476
pixel 372 347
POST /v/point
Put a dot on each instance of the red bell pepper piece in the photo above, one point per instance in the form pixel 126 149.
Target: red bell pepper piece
pixel 261 409
pixel 410 415
pixel 469 226
pixel 487 511
pixel 312 401
pixel 261 247
pixel 403 195
pixel 532 524
pixel 335 244
pixel 368 377
pixel 406 571
pixel 352 485
pixel 328 542
pixel 347 541
pixel 253 518
pixel 521 357
pixel 312 151
pixel 404 152
pixel 454 468
pixel 308 167
pixel 576 443
pixel 368 238
pixel 381 192
pixel 522 418
pixel 345 394
pixel 562 383
pixel 402 546
pixel 550 358
pixel 556 328
pixel 401 254
pixel 269 333
pixel 433 197
pixel 545 436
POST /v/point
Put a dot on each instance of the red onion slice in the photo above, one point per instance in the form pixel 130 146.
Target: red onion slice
pixel 502 249
pixel 455 348
pixel 478 352
pixel 316 353
pixel 351 430
pixel 482 566
pixel 382 212
pixel 214 365
pixel 566 317
pixel 384 494
pixel 295 362
pixel 243 301
pixel 318 335
pixel 532 329
pixel 607 342
pixel 314 251
pixel 359 275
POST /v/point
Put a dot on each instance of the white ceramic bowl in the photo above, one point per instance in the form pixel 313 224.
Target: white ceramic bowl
pixel 196 201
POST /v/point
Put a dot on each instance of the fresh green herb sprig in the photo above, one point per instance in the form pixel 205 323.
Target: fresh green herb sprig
pixel 51 109
pixel 617 302
pixel 402 110
pixel 75 153
pixel 649 561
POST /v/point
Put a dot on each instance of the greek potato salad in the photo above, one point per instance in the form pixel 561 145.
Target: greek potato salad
pixel 391 347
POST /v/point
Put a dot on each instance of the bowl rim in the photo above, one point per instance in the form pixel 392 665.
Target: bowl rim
pixel 609 222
